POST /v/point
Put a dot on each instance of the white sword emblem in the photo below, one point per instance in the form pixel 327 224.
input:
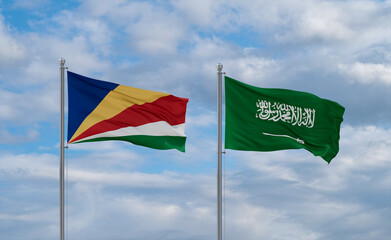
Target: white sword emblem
pixel 275 135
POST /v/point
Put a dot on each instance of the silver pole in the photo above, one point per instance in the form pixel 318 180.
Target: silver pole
pixel 219 152
pixel 62 68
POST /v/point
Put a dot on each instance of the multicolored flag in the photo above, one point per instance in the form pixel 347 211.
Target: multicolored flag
pixel 260 119
pixel 100 111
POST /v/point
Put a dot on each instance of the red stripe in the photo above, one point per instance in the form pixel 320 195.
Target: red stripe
pixel 168 108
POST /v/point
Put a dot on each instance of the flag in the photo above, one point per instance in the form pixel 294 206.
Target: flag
pixel 100 111
pixel 261 119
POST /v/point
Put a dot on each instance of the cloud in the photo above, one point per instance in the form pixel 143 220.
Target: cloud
pixel 89 42
pixel 156 33
pixel 296 185
pixel 252 69
pixel 204 119
pixel 268 195
pixel 151 29
pixel 316 21
pixel 361 149
pixel 256 222
pixel 177 199
pixel 29 166
pixel 96 32
pixel 25 4
pixel 8 138
pixel 368 73
pixel 11 50
pixel 171 218
pixel 76 51
pixel 25 108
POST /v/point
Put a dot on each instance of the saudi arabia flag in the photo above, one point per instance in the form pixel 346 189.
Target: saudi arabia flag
pixel 100 111
pixel 260 119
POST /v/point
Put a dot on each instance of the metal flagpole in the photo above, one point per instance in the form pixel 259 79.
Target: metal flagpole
pixel 62 68
pixel 219 152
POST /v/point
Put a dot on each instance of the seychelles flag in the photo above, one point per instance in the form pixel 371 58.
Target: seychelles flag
pixel 100 111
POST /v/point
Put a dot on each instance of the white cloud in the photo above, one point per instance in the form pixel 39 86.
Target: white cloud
pixel 95 31
pixel 76 51
pixel 269 195
pixel 349 23
pixel 363 152
pixel 245 218
pixel 323 21
pixel 135 180
pixel 167 215
pixel 98 169
pixel 29 4
pixel 8 138
pixel 152 29
pixel 367 73
pixel 11 49
pixel 204 14
pixel 210 15
pixel 41 216
pixel 156 32
pixel 25 108
pixel 205 119
pixel 161 37
pixel 366 147
pixel 252 69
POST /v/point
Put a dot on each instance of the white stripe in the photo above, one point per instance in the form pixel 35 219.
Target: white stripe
pixel 161 128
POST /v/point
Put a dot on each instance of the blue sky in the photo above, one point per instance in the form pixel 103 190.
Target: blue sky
pixel 339 50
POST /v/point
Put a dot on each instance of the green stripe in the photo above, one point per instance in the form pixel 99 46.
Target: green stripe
pixel 156 142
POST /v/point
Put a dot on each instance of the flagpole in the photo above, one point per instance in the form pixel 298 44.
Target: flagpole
pixel 62 68
pixel 219 152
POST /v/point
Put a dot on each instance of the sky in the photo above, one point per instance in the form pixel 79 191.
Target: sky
pixel 335 49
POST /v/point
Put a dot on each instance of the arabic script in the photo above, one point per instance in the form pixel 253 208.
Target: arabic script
pixel 275 111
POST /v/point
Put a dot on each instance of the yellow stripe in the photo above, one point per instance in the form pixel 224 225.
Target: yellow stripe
pixel 115 102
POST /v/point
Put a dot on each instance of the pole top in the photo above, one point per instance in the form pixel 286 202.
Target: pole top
pixel 219 67
pixel 62 61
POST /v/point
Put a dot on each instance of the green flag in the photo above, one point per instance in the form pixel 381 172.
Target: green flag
pixel 261 119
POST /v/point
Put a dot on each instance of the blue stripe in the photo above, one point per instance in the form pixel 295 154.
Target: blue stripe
pixel 84 95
